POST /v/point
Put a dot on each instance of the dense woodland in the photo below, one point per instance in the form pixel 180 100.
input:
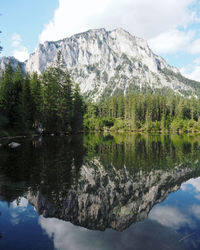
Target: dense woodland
pixel 52 101
pixel 144 112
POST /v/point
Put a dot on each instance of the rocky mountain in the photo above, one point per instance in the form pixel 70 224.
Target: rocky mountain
pixel 110 183
pixel 13 61
pixel 110 199
pixel 107 62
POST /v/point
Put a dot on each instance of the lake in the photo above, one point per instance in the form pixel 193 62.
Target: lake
pixel 101 192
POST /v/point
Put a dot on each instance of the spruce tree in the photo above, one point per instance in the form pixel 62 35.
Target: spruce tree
pixel 78 110
pixel 50 100
pixel 7 102
pixel 67 108
pixel 37 100
pixel 26 104
pixel 17 90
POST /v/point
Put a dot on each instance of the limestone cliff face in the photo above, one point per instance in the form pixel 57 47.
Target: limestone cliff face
pixel 106 62
pixel 110 198
pixel 13 61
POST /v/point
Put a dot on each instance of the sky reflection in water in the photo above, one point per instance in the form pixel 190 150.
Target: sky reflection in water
pixel 171 224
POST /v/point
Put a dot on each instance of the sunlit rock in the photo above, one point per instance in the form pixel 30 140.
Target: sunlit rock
pixel 110 198
pixel 107 62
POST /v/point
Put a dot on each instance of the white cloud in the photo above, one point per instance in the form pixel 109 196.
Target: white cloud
pixel 191 72
pixel 194 182
pixel 196 211
pixel 16 40
pixel 197 60
pixel 169 217
pixel 195 47
pixel 66 236
pixel 144 18
pixel 171 41
pixel 20 52
pixel 14 218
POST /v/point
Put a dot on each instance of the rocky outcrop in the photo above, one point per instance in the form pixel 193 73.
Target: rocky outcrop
pixel 107 62
pixel 110 198
pixel 4 61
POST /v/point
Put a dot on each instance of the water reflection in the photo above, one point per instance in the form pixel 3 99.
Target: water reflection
pixel 106 181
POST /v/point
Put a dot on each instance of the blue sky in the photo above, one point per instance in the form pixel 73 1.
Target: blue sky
pixel 25 18
pixel 171 28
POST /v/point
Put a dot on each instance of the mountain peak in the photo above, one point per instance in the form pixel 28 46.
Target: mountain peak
pixel 120 30
pixel 104 63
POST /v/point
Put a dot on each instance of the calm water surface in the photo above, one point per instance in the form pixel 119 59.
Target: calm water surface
pixel 101 192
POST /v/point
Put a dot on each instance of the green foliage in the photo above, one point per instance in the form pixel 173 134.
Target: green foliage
pixel 78 110
pixel 37 101
pixel 145 112
pixel 8 96
pixel 55 102
pixel 51 100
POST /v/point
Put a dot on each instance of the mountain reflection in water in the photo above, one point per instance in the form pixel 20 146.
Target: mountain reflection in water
pixel 102 181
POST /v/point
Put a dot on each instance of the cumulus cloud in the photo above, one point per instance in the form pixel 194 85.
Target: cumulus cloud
pixel 194 182
pixel 16 40
pixel 191 72
pixel 144 18
pixel 171 41
pixel 66 236
pixel 196 211
pixel 197 60
pixel 169 217
pixel 20 52
pixel 195 47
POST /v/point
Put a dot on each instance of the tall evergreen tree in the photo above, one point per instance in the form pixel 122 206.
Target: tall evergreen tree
pixel 17 91
pixel 58 103
pixel 78 110
pixel 26 104
pixel 37 100
pixel 67 102
pixel 50 98
pixel 7 102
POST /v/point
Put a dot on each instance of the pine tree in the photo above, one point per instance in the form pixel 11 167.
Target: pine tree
pixel 67 102
pixel 57 94
pixel 37 100
pixel 17 90
pixel 78 110
pixel 26 104
pixel 7 102
pixel 50 98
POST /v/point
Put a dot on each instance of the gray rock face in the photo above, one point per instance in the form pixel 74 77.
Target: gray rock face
pixel 110 198
pixel 14 63
pixel 105 62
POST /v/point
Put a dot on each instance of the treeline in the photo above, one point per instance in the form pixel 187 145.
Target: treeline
pixel 144 112
pixel 51 101
pixel 145 151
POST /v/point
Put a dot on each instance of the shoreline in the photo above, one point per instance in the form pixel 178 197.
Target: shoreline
pixel 110 132
pixel 18 136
